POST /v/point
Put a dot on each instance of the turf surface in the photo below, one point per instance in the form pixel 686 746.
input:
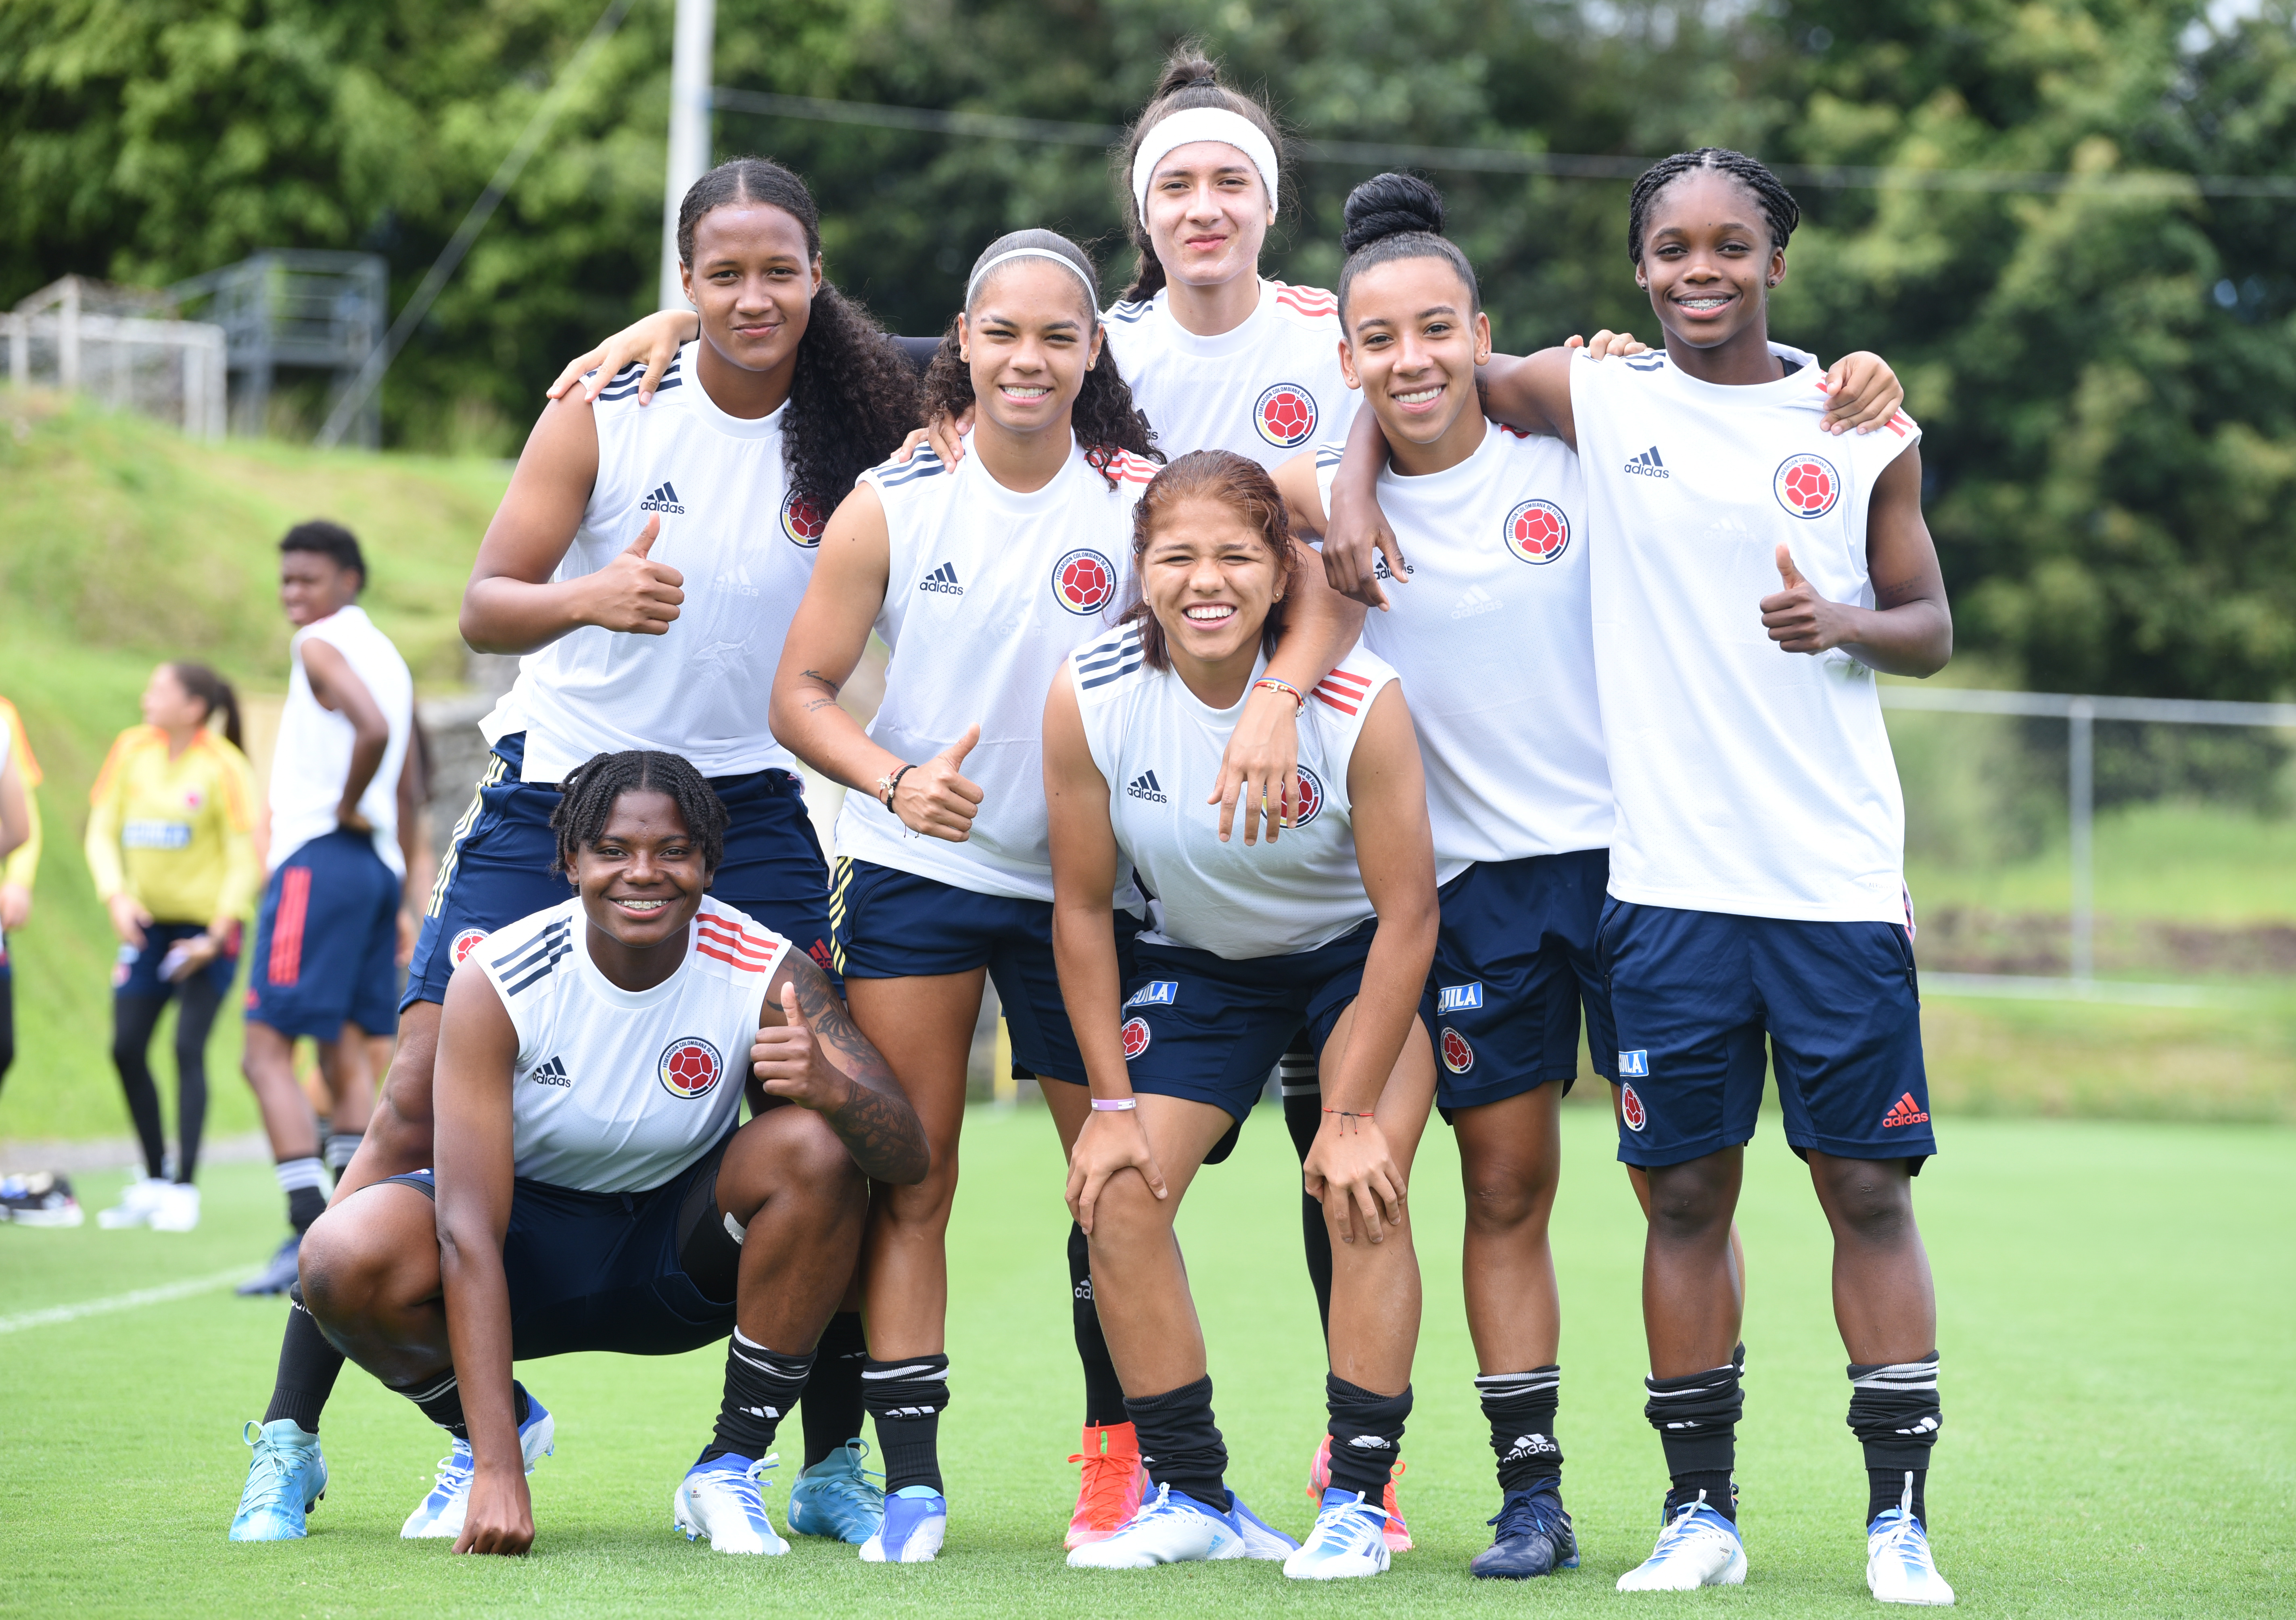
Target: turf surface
pixel 2121 1429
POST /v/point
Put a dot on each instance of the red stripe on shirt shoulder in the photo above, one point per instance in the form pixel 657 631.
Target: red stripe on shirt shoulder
pixel 704 949
pixel 1361 683
pixel 1346 699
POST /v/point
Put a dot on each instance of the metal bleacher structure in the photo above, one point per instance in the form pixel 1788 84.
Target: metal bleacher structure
pixel 281 310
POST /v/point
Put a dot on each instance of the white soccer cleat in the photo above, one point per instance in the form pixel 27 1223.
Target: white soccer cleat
pixel 1898 1567
pixel 136 1202
pixel 721 1498
pixel 440 1514
pixel 1698 1548
pixel 1168 1528
pixel 177 1210
pixel 1349 1540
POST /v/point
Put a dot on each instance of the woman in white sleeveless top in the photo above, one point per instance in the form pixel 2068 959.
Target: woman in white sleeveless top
pixel 1332 927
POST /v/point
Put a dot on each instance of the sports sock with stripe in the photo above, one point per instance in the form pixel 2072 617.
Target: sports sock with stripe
pixel 440 1398
pixel 303 1181
pixel 1103 1392
pixel 1697 1421
pixel 761 1385
pixel 1893 1412
pixel 1366 1435
pixel 1303 1116
pixel 906 1397
pixel 308 1366
pixel 1180 1444
pixel 831 1404
pixel 1520 1408
pixel 341 1145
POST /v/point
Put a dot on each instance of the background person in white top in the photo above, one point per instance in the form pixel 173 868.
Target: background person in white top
pixel 344 820
pixel 1332 926
pixel 592 1191
pixel 981 579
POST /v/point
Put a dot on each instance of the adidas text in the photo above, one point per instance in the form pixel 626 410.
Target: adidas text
pixel 1476 601
pixel 1532 1446
pixel 942 579
pixel 1144 786
pixel 1648 465
pixel 552 1073
pixel 662 499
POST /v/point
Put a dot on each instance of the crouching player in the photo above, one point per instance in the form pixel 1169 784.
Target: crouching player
pixel 592 1191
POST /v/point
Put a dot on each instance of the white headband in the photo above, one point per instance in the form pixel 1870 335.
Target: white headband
pixel 1202 124
pixel 1091 292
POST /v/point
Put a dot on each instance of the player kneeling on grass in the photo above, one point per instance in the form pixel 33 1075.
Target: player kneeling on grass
pixel 1331 924
pixel 592 1191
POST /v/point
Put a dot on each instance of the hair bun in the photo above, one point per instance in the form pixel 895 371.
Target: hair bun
pixel 1388 205
pixel 1186 68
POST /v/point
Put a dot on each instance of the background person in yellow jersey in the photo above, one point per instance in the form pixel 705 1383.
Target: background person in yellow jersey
pixel 342 854
pixel 170 845
pixel 16 872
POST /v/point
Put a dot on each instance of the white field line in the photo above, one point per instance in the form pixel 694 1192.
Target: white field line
pixel 55 1314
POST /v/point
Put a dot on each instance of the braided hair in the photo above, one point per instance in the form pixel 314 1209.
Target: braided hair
pixel 1190 79
pixel 853 396
pixel 1104 417
pixel 1779 209
pixel 1391 216
pixel 586 803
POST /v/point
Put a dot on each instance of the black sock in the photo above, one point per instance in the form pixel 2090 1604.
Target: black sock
pixel 761 1385
pixel 301 1180
pixel 1103 1392
pixel 1366 1435
pixel 308 1368
pixel 1520 1408
pixel 1180 1446
pixel 440 1400
pixel 830 1405
pixel 1697 1421
pixel 1303 1116
pixel 341 1148
pixel 1893 1411
pixel 907 1398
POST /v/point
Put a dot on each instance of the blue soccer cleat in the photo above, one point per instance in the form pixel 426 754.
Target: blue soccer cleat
pixel 285 1479
pixel 1898 1567
pixel 835 1499
pixel 1349 1540
pixel 440 1515
pixel 278 1273
pixel 1533 1538
pixel 1261 1540
pixel 916 1522
pixel 1698 1547
pixel 722 1498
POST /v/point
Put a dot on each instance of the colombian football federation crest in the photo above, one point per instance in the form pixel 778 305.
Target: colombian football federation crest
pixel 1083 581
pixel 801 520
pixel 466 942
pixel 1311 798
pixel 1630 1110
pixel 1807 485
pixel 1538 532
pixel 1285 415
pixel 1458 1054
pixel 690 1068
pixel 1135 1037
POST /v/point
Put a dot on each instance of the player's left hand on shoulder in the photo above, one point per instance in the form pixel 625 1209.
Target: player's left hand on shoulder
pixel 1605 343
pixel 1797 618
pixel 1861 393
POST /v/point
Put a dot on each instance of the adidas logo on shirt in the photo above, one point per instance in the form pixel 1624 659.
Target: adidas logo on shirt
pixel 1144 787
pixel 1476 601
pixel 1648 465
pixel 662 498
pixel 552 1073
pixel 1379 568
pixel 942 579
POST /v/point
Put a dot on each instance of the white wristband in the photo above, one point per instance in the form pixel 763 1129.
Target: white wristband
pixel 1114 1105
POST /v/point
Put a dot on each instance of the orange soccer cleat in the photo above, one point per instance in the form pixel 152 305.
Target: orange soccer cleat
pixel 1398 1534
pixel 1112 1485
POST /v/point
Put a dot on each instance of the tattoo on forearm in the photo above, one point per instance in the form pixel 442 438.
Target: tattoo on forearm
pixel 874 1121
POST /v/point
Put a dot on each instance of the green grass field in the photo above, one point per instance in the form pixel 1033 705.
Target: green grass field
pixel 2121 1429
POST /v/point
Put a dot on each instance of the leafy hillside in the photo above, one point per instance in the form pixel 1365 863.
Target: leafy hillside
pixel 127 544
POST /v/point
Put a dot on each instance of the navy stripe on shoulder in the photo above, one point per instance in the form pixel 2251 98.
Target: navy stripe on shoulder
pixel 671 380
pixel 1131 662
pixel 1129 313
pixel 542 969
pixel 923 465
pixel 1109 649
pixel 516 960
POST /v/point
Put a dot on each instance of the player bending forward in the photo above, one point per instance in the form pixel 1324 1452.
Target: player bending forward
pixel 592 1191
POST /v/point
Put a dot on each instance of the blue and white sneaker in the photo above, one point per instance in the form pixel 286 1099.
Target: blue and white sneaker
pixel 1898 1567
pixel 834 1497
pixel 916 1523
pixel 1261 1540
pixel 440 1513
pixel 1169 1527
pixel 285 1479
pixel 722 1498
pixel 1533 1538
pixel 1350 1539
pixel 1697 1548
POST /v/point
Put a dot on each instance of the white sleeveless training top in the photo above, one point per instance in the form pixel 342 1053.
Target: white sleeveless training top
pixel 1750 780
pixel 1159 748
pixel 744 543
pixel 617 1091
pixel 1492 633
pixel 313 753
pixel 988 590
pixel 1263 390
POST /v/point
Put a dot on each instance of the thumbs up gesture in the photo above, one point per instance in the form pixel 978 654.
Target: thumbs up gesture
pixel 1797 619
pixel 935 798
pixel 787 1059
pixel 633 594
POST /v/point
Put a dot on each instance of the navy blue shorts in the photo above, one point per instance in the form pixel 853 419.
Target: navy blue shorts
pixel 600 1271
pixel 1695 993
pixel 1514 961
pixel 1204 1028
pixel 894 924
pixel 327 942
pixel 136 973
pixel 503 866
